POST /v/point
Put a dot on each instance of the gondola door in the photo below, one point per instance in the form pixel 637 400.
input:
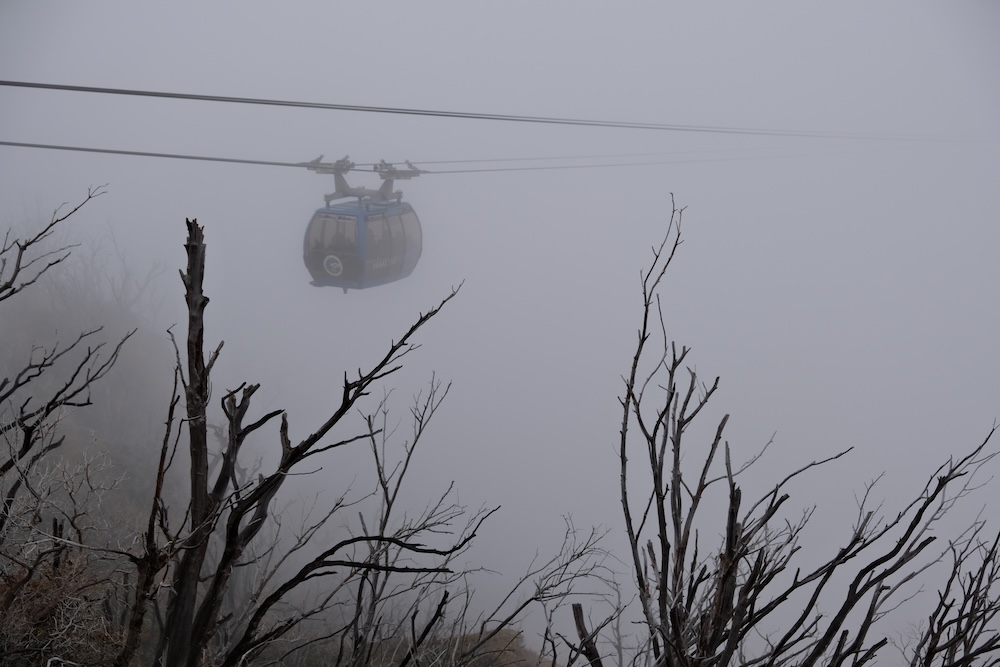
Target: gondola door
pixel 383 253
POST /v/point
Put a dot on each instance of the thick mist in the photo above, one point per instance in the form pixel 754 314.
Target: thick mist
pixel 843 288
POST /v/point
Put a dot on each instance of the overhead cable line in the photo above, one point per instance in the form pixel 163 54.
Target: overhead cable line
pixel 443 114
pixel 300 165
pixel 551 158
pixel 172 156
pixel 601 165
pixel 274 163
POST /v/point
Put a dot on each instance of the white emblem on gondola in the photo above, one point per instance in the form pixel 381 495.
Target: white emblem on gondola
pixel 333 265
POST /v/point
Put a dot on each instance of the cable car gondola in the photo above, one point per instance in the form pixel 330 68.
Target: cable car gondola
pixel 371 240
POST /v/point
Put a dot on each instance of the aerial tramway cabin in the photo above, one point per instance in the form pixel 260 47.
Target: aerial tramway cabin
pixel 359 244
pixel 372 239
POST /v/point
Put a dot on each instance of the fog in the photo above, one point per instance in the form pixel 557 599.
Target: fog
pixel 845 289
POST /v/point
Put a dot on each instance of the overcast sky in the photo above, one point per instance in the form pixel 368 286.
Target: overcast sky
pixel 844 289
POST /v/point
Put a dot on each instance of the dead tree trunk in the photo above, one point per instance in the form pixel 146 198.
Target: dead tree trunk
pixel 196 390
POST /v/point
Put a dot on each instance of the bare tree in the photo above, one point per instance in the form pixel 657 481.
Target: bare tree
pixel 380 592
pixel 55 590
pixel 59 593
pixel 24 261
pixel 212 580
pixel 24 412
pixel 754 598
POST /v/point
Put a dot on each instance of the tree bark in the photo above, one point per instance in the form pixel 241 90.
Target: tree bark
pixel 587 645
pixel 196 391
